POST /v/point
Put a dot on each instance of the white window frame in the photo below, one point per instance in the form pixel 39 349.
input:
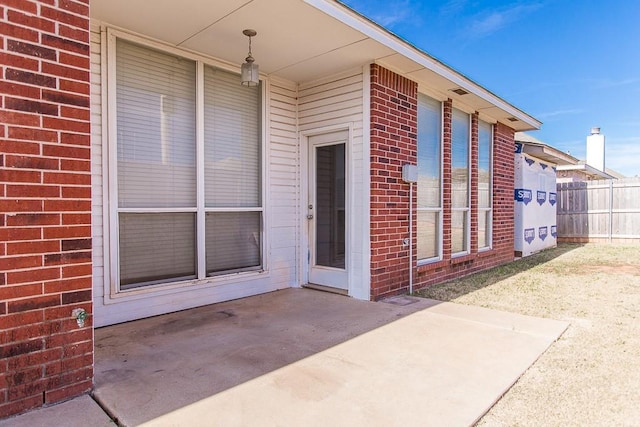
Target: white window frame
pixel 488 210
pixel 438 210
pixel 112 291
pixel 467 209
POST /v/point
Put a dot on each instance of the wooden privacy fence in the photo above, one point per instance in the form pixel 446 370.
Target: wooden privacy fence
pixel 607 210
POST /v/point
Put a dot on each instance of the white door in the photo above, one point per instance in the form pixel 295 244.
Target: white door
pixel 326 212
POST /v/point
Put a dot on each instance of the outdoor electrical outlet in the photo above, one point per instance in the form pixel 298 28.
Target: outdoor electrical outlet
pixel 80 315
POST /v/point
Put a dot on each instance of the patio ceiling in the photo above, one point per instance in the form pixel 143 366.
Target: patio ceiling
pixel 298 40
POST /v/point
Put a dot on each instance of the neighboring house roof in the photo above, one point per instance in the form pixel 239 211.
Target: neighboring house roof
pixel 589 171
pixel 564 161
pixel 542 151
pixel 304 40
pixel 613 173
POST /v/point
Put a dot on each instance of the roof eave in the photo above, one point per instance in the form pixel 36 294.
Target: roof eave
pixel 371 29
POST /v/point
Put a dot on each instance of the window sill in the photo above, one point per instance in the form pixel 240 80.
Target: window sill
pixel 485 252
pixel 432 266
pixel 177 287
pixel 462 259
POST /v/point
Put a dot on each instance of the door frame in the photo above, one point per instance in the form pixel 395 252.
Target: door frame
pixel 305 170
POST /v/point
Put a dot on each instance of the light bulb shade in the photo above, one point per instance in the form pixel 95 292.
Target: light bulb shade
pixel 249 74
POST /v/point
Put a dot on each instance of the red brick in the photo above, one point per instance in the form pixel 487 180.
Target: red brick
pixel 19 406
pixel 65 72
pixel 19 291
pixel 9 117
pixel 78 349
pixel 33 303
pixel 34 247
pixel 76 271
pixel 67 32
pixel 31 162
pixel 74 60
pixel 67 206
pixel 18 89
pixel 65 98
pixel 75 139
pixel 34 219
pixel 18 32
pixel 76 192
pixel 74 86
pixel 67 178
pixel 15 263
pixel 64 151
pixel 34 359
pixel 31 106
pixel 17 349
pixel 67 258
pixel 30 78
pixel 17 233
pixel 31 21
pixel 24 5
pixel 20 205
pixel 76 297
pixel 74 7
pixel 76 219
pixel 31 134
pixel 35 50
pixel 70 284
pixel 66 125
pixel 18 61
pixel 67 18
pixel 75 165
pixel 33 275
pixel 75 113
pixel 67 392
pixel 39 191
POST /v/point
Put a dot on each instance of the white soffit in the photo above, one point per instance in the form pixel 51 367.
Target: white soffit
pixel 168 20
pixel 301 41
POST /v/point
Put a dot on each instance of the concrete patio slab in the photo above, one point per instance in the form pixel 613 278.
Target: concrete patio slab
pixel 303 357
pixel 82 411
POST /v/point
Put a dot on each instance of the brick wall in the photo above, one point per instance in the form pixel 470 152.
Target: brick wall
pixel 394 143
pixel 394 109
pixel 45 203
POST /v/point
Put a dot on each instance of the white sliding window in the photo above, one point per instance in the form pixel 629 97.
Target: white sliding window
pixel 162 199
pixel 485 202
pixel 460 182
pixel 429 210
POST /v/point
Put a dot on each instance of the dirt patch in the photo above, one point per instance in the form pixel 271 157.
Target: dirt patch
pixel 591 375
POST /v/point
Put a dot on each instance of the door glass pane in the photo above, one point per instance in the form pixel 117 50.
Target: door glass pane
pixel 330 206
pixel 233 241
pixel 156 248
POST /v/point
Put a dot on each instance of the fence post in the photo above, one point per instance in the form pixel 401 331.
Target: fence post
pixel 610 210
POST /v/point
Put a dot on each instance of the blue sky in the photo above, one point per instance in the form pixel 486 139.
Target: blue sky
pixel 571 64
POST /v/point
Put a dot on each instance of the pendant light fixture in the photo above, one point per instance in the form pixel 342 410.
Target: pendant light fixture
pixel 249 70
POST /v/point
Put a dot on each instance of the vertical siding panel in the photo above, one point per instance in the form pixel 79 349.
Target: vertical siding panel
pixel 284 188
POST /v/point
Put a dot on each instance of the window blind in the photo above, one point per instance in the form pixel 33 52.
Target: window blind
pixel 231 141
pixel 156 132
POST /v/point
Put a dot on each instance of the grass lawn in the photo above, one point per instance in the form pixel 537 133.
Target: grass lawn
pixel 591 375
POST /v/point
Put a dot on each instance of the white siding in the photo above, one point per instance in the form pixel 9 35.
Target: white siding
pixel 337 101
pixel 282 237
pixel 97 228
